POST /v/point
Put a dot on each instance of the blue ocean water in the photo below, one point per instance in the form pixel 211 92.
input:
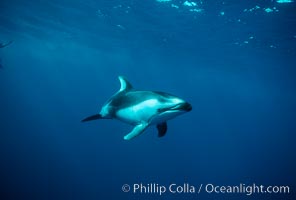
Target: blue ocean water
pixel 234 61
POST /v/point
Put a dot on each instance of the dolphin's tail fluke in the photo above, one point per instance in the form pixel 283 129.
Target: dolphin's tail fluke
pixel 93 117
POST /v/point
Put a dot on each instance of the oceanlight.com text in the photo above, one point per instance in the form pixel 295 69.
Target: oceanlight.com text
pixel 187 188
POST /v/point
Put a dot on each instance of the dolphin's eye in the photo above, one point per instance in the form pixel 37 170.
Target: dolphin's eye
pixel 160 110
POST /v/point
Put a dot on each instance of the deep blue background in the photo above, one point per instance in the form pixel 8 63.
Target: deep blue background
pixel 237 70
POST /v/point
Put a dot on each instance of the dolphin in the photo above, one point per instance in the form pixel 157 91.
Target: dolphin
pixel 141 109
pixel 2 45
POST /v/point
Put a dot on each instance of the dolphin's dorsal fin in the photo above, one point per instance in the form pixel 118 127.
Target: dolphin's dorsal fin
pixel 125 85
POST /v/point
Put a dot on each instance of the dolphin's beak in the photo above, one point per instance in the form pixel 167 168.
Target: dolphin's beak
pixel 186 106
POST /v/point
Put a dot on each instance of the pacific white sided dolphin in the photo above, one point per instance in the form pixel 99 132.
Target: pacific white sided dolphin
pixel 2 45
pixel 141 109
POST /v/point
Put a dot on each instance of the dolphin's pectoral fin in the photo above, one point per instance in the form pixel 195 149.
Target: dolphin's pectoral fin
pixel 93 117
pixel 162 129
pixel 136 131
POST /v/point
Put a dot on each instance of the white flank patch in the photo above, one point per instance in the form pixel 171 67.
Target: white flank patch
pixel 140 112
